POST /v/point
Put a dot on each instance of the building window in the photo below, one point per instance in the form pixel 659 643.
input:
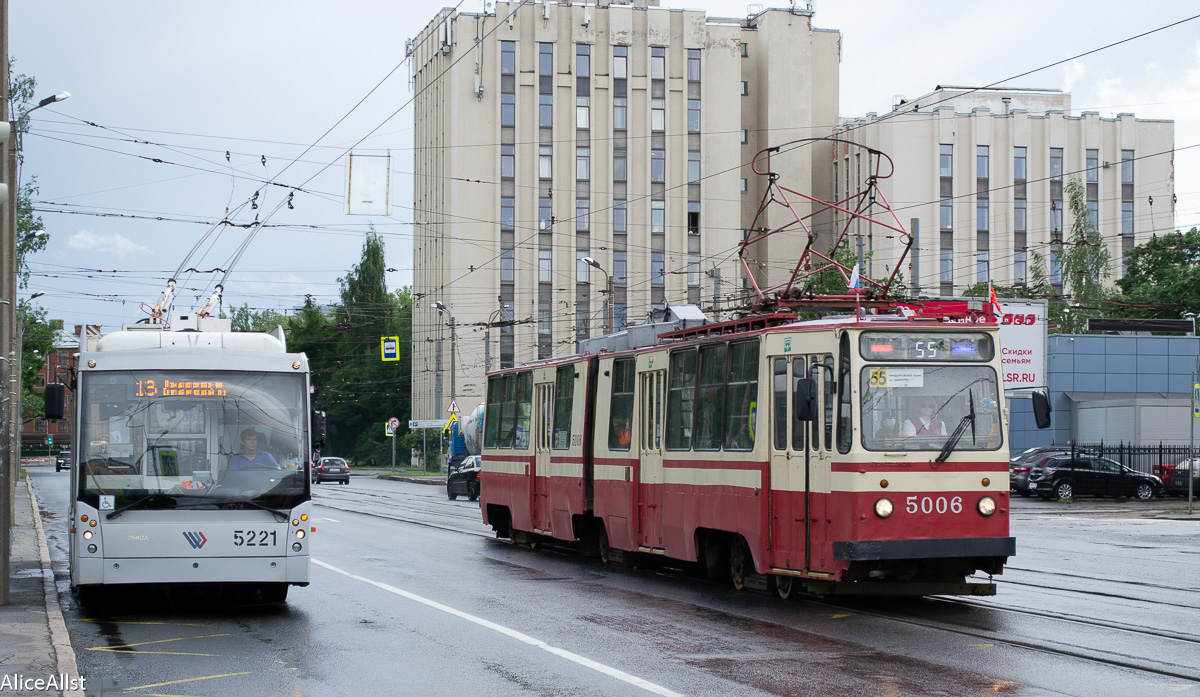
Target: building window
pixel 507 264
pixel 658 63
pixel 582 273
pixel 619 261
pixel 658 217
pixel 39 426
pixel 1019 218
pixel 658 114
pixel 1127 217
pixel 545 110
pixel 545 60
pixel 693 116
pixel 656 269
pixel 1093 165
pixel 1056 164
pixel 693 167
pixel 507 161
pixel 658 166
pixel 508 58
pixel 981 162
pixel 507 215
pixel 619 216
pixel 745 136
pixel 583 164
pixel 582 215
pixel 544 321
pixel 693 269
pixel 947 213
pixel 744 185
pixel 1126 166
pixel 583 60
pixel 508 110
pixel 693 218
pixel 981 215
pixel 946 161
pixel 745 49
pixel 545 216
pixel 619 113
pixel 583 112
pixel 744 88
pixel 545 161
pixel 1019 164
pixel 619 165
pixel 545 267
pixel 620 62
pixel 693 64
pixel 982 265
pixel 947 265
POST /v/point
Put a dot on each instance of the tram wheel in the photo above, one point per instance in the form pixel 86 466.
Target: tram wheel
pixel 784 585
pixel 740 565
pixel 602 545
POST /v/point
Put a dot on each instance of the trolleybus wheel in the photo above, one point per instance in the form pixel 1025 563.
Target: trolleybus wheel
pixel 784 586
pixel 274 592
pixel 739 563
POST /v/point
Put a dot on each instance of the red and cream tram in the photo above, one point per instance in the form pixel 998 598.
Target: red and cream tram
pixel 859 454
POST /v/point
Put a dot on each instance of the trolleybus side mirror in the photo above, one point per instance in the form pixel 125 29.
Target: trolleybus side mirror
pixel 56 400
pixel 804 400
pixel 318 429
pixel 1041 409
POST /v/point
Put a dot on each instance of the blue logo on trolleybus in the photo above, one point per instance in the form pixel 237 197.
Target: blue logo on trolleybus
pixel 195 539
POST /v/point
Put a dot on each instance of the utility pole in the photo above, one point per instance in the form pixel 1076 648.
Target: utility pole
pixel 8 318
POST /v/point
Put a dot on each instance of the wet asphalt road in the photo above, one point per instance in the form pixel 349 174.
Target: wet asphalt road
pixel 410 595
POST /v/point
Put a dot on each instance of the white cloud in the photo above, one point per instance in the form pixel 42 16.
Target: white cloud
pixel 115 243
pixel 1071 72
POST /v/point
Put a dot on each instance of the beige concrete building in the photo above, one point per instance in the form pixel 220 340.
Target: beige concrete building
pixel 984 174
pixel 552 133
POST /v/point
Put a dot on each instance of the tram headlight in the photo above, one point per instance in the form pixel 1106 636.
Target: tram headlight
pixel 87 534
pixel 987 505
pixel 883 508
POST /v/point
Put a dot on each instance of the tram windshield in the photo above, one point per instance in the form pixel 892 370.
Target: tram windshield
pixel 917 407
pixel 182 439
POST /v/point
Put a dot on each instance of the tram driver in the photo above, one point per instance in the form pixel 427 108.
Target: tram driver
pixel 925 422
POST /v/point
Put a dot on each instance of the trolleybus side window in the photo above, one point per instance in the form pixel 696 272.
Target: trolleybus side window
pixel 845 422
pixel 492 412
pixel 710 397
pixel 742 396
pixel 621 413
pixel 564 396
pixel 524 409
pixel 779 385
pixel 681 400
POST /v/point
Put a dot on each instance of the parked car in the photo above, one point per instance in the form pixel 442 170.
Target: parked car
pixel 463 479
pixel 1065 477
pixel 1020 465
pixel 331 469
pixel 1175 477
pixel 62 461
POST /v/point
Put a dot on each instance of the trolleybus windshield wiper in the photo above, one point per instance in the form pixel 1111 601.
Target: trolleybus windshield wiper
pixel 163 498
pixel 281 516
pixel 968 420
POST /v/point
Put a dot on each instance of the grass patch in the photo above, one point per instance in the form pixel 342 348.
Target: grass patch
pixel 22 474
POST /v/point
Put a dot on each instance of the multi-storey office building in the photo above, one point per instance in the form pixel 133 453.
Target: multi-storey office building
pixel 552 133
pixel 984 174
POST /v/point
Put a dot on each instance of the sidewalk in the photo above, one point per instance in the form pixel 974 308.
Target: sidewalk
pixel 34 644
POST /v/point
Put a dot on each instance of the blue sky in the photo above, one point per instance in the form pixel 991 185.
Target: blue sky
pixel 185 83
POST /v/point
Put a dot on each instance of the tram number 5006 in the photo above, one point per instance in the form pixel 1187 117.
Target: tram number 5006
pixel 928 504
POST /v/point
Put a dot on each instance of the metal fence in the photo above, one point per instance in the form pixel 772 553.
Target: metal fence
pixel 1143 458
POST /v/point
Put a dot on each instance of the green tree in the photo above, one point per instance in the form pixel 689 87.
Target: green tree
pixel 20 90
pixel 243 319
pixel 1163 278
pixel 37 341
pixel 1085 258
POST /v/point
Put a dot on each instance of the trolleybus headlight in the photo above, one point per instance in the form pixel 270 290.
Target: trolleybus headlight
pixel 92 548
pixel 296 546
pixel 299 534
pixel 987 505
pixel 883 508
pixel 87 534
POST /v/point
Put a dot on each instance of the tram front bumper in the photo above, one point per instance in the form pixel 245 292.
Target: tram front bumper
pixel 869 550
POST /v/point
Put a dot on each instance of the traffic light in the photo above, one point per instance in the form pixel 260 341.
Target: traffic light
pixel 49 440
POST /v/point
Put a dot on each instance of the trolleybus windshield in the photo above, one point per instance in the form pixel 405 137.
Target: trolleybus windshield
pixel 165 439
pixel 917 406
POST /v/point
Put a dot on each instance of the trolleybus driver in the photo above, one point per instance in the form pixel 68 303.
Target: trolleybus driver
pixel 251 456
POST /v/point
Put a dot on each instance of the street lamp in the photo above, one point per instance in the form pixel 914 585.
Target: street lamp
pixel 608 290
pixel 441 308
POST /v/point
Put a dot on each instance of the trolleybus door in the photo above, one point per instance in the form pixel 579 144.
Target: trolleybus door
pixel 652 395
pixel 543 419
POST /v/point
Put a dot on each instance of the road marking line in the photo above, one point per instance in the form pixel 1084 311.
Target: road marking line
pixel 525 638
pixel 119 647
pixel 176 682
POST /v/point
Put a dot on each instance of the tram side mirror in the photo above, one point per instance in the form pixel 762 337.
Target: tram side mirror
pixel 804 399
pixel 56 400
pixel 318 429
pixel 1041 409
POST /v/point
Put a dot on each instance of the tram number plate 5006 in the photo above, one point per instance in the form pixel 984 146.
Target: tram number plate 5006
pixel 254 538
pixel 929 504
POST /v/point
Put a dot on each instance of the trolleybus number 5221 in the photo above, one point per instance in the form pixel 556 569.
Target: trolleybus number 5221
pixel 928 504
pixel 251 538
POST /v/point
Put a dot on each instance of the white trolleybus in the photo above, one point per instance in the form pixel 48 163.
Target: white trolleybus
pixel 170 487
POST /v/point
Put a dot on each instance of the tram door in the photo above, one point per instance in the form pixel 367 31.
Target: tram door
pixel 543 415
pixel 652 395
pixel 799 460
pixel 818 478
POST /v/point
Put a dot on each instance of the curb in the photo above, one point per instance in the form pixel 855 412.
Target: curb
pixel 60 639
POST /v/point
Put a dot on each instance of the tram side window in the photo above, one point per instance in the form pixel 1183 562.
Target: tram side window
pixel 845 421
pixel 508 412
pixel 799 366
pixel 779 385
pixel 621 411
pixel 524 409
pixel 742 396
pixel 710 398
pixel 491 419
pixel 681 400
pixel 564 396
pixel 829 393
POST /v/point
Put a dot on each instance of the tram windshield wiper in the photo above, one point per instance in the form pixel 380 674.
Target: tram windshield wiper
pixel 158 497
pixel 968 420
